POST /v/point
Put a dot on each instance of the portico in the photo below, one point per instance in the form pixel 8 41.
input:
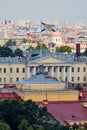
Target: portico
pixel 55 68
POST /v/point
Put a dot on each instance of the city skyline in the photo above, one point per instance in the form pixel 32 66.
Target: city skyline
pixel 47 10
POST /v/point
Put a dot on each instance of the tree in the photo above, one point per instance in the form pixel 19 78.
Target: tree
pixel 23 125
pixel 24 40
pixel 57 48
pixel 10 43
pixel 30 128
pixel 4 126
pixel 78 53
pixel 65 49
pixel 43 111
pixel 18 52
pixel 50 127
pixel 31 48
pixel 65 127
pixel 57 126
pixel 23 115
pixel 75 126
pixel 6 52
pixel 85 52
pixel 78 88
pixel 10 112
pixel 41 45
pixel 85 126
pixel 41 128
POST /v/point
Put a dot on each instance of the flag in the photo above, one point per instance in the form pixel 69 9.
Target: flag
pixel 47 27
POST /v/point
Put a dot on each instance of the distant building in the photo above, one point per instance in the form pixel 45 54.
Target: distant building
pixel 52 46
pixel 57 38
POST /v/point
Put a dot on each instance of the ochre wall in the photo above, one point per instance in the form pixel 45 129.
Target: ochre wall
pixel 50 97
pixel 42 87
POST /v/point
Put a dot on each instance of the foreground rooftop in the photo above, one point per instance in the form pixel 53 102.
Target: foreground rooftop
pixel 69 113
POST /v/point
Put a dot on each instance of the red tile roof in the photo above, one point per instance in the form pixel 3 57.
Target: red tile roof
pixel 68 111
pixel 8 95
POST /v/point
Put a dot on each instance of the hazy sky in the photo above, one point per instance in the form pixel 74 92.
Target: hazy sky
pixel 45 10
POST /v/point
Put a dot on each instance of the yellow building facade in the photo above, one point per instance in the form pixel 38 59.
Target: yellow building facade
pixel 73 73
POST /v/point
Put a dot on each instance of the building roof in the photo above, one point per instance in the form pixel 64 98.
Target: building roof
pixel 51 43
pixel 40 78
pixel 73 111
pixel 9 95
pixel 69 112
pixel 16 59
pixel 56 34
pixel 68 58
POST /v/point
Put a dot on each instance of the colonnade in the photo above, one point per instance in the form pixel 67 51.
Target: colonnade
pixel 61 72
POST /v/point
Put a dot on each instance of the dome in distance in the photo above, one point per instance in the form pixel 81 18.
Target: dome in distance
pixel 56 34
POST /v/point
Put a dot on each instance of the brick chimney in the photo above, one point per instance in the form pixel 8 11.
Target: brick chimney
pixel 77 47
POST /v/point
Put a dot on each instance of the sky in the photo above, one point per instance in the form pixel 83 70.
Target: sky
pixel 44 10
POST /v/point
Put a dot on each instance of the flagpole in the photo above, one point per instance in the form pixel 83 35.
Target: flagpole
pixel 47 27
pixel 40 50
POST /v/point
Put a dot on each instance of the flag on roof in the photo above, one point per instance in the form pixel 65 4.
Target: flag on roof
pixel 47 27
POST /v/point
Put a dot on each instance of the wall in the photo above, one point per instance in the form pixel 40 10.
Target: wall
pixel 39 97
pixel 42 87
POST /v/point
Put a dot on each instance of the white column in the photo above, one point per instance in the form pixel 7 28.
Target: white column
pixel 34 70
pixel 58 75
pixel 28 72
pixel 63 73
pixel 52 71
pixel 46 69
pixel 69 74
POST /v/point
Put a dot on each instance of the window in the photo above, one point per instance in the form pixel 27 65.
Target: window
pixel 78 69
pixel 52 45
pixel 54 69
pixel 84 84
pixel 4 80
pixel 60 69
pixel 59 39
pixel 0 80
pixel 72 69
pixel 78 84
pixel 10 79
pixel 78 78
pixel 66 69
pixel 72 85
pixel 72 78
pixel 10 70
pixel 17 70
pixel 53 50
pixel 48 69
pixel 30 69
pixel 0 70
pixel 84 78
pixel 23 78
pixel 17 79
pixel 4 70
pixel 65 78
pixel 23 70
pixel 84 69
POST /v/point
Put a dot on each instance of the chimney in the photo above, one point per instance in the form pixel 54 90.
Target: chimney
pixel 77 47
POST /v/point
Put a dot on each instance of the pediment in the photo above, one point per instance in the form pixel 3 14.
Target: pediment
pixel 51 60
